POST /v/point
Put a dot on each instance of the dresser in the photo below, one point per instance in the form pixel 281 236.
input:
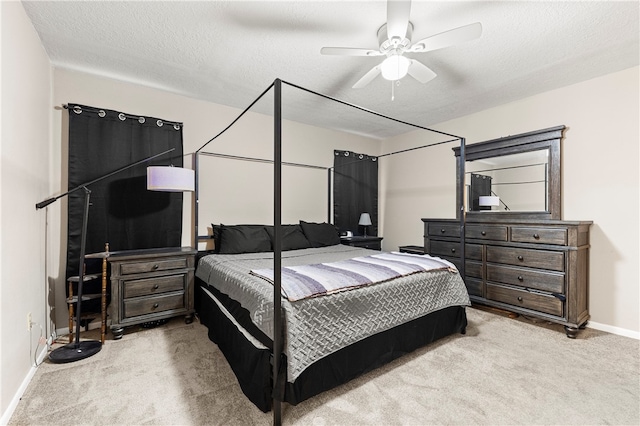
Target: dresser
pixel 150 285
pixel 537 268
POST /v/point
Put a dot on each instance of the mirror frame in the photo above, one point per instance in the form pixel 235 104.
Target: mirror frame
pixel 525 142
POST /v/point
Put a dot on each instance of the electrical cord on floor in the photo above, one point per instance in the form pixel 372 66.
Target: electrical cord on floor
pixel 41 340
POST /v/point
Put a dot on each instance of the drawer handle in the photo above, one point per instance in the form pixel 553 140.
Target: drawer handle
pixel 155 305
pixel 520 278
pixel 483 233
pixel 520 258
pixel 155 287
pixel 536 236
pixel 442 231
pixel 519 298
pixel 453 250
pixel 156 266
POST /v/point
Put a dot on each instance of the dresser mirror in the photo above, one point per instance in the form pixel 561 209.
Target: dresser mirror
pixel 516 177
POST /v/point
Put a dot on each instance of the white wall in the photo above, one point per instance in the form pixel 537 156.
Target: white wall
pixel 24 181
pixel 599 159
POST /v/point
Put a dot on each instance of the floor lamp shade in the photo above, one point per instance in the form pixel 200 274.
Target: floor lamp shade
pixel 170 179
pixel 486 200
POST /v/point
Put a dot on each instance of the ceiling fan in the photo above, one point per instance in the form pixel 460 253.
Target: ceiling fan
pixel 395 40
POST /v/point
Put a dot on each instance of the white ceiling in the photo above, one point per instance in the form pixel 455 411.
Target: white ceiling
pixel 228 52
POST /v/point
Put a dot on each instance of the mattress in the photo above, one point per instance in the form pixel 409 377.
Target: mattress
pixel 319 326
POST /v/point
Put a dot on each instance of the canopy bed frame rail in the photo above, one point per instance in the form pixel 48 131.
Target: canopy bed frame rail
pixel 277 373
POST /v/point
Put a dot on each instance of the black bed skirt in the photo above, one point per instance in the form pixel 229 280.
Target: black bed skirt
pixel 252 365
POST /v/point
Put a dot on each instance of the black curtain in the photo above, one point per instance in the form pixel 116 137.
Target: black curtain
pixel 122 212
pixel 480 186
pixel 355 191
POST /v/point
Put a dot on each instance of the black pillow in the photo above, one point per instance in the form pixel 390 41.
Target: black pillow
pixel 236 239
pixel 292 237
pixel 320 234
pixel 216 237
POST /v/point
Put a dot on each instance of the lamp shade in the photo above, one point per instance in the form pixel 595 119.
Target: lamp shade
pixel 395 67
pixel 365 219
pixel 486 200
pixel 170 179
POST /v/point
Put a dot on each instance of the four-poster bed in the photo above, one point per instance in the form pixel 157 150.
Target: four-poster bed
pixel 290 350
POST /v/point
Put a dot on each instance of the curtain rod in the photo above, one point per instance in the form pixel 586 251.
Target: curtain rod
pixel 101 113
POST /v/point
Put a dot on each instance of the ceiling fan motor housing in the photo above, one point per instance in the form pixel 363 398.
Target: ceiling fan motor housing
pixel 394 45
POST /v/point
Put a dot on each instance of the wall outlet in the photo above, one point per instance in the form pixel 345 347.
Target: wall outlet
pixel 29 323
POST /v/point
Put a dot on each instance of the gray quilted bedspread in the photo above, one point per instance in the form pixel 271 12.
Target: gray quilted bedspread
pixel 319 326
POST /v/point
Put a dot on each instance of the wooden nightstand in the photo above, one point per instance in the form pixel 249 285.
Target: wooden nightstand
pixel 150 285
pixel 373 243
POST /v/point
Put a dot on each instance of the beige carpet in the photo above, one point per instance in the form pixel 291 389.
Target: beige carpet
pixel 503 371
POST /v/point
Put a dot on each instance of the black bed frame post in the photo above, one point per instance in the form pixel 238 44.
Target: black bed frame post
pixel 461 197
pixel 329 195
pixel 277 247
pixel 196 197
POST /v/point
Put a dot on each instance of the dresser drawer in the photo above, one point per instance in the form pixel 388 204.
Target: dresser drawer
pixel 472 269
pixel 525 299
pixel 530 258
pixel 474 286
pixel 444 230
pixel 150 305
pixel 557 236
pixel 548 281
pixel 156 285
pixel 452 248
pixel 153 265
pixel 486 232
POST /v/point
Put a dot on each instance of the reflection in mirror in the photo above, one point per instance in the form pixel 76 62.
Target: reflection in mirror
pixel 516 183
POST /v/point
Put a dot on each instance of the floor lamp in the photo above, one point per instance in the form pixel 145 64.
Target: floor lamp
pixel 79 350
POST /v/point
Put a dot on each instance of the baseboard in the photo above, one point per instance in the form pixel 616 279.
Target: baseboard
pixel 95 324
pixel 614 330
pixel 6 416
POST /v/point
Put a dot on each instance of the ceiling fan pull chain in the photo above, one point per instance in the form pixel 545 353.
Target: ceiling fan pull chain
pixel 393 95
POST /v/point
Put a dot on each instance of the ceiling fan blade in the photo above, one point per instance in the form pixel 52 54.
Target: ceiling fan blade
pixel 349 51
pixel 447 38
pixel 421 72
pixel 398 18
pixel 367 78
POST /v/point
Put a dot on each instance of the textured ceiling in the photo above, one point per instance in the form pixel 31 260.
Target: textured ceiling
pixel 228 52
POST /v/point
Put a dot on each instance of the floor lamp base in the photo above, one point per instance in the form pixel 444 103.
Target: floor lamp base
pixel 75 351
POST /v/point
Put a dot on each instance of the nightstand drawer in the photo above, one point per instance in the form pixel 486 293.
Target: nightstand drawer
pixel 150 286
pixel 530 278
pixel 525 299
pixel 530 258
pixel 539 235
pixel 153 265
pixel 150 305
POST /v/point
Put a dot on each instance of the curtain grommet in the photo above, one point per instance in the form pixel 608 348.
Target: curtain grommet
pixel 361 156
pixel 77 109
pixel 102 113
pixel 160 123
pixel 176 126
pixel 122 117
pixel 346 153
pixel 141 120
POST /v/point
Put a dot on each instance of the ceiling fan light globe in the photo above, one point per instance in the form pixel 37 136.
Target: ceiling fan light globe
pixel 395 67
